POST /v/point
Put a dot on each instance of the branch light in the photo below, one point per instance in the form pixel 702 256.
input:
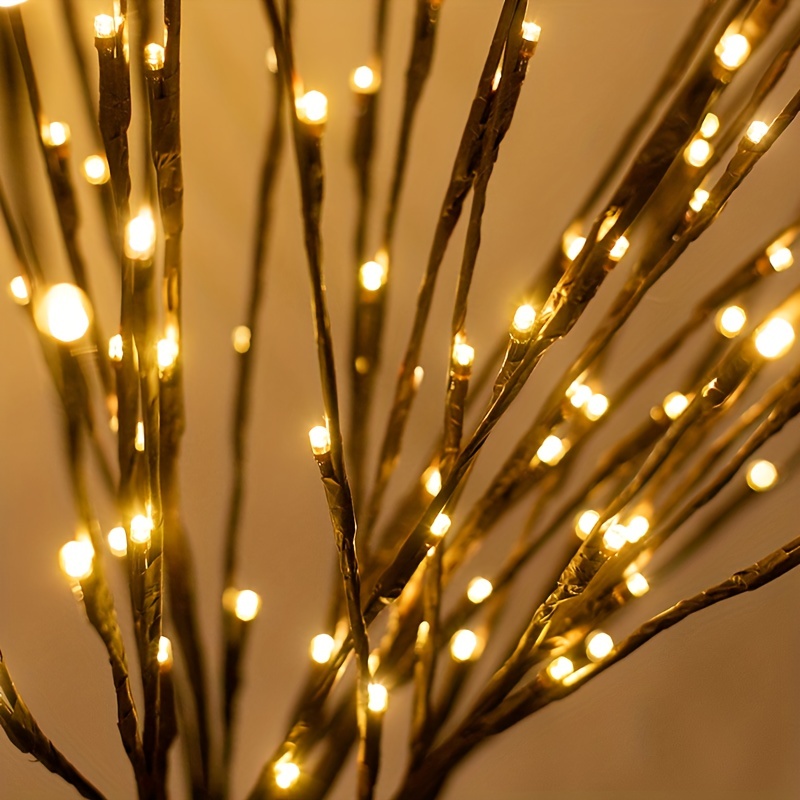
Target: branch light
pixel 762 475
pixel 731 320
pixel 322 647
pixel 77 559
pixel 312 108
pixel 774 338
pixel 733 50
pixel 63 312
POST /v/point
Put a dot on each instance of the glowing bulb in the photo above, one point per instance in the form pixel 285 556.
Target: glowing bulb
pixel 524 318
pixel 423 631
pixel 774 338
pixel 580 395
pixel 18 287
pixel 247 605
pixel 95 170
pixel 756 131
pixel 141 529
pixel 378 697
pixel 762 475
pixel 619 249
pixel 709 126
pixel 373 662
pixel 598 645
pixel 312 108
pixel 286 774
pixel 637 584
pixel 780 258
pixel 118 541
pixel 140 237
pixel 479 589
pixel 732 50
pixel 322 647
pixel 585 523
pixel 675 404
pixel 636 528
pixel 55 134
pixel 10 3
pixel 104 26
pixel 440 525
pixel 531 31
pixel 164 655
pixel 364 80
pixel 573 246
pixel 559 668
pixel 432 481
pixel 63 312
pixel 241 338
pixel 77 559
pixel 138 441
pixel 731 320
pixel 167 351
pixel 154 56
pixel 372 276
pixel 551 450
pixel 498 75
pixel 464 645
pixel 596 406
pixel 417 377
pixel 272 60
pixel 320 439
pixel 699 199
pixel 615 537
pixel 697 153
pixel 463 354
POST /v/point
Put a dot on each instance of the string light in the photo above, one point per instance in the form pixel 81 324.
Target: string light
pixel 373 662
pixel 551 450
pixel 140 236
pixel 560 667
pixel 596 406
pixel 780 257
pixel 364 80
pixel 615 537
pixel 272 60
pixel 320 439
pixel 756 131
pixel 312 108
pixel 479 589
pixel 63 312
pixel 636 528
pixel 18 287
pixel 524 318
pixel 637 584
pixel 498 75
pixel 585 522
pixel 286 774
pixel 762 475
pixel 241 338
pixel 95 170
pixel 675 404
pixel 697 153
pixel 247 605
pixel 732 50
pixel 774 338
pixel 141 529
pixel 104 26
pixel 531 31
pixel 573 246
pixel 378 697
pixel 138 440
pixel 441 525
pixel 321 649
pixel 432 481
pixel 619 249
pixel 731 320
pixel 118 542
pixel 463 354
pixel 77 559
pixel 416 378
pixel 699 199
pixel 372 275
pixel 464 645
pixel 164 655
pixel 709 126
pixel 167 350
pixel 55 134
pixel 598 645
pixel 580 395
pixel 154 56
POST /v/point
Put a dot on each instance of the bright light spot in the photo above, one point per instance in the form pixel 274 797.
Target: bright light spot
pixel 77 559
pixel 320 439
pixel 115 347
pixel 241 338
pixel 524 318
pixel 55 134
pixel 464 645
pixel 580 396
pixel 95 170
pixel 18 287
pixel 423 631
pixel 598 645
pixel 732 50
pixel 596 406
pixel 637 584
pixel 498 75
pixel 364 80
pixel 138 441
pixel 167 351
pixel 63 312
pixel 247 606
pixel 697 153
pixel 141 528
pixel 312 107
pixel 731 320
pixel 675 404
pixel 463 354
pixel 573 246
pixel 615 537
pixel 756 131
pixel 585 523
pixel 154 56
pixel 372 276
pixel 780 258
pixel 164 655
pixel 699 199
pixel 774 338
pixel 378 698
pixel 322 646
pixel 531 31
pixel 636 528
pixel 104 26
pixel 551 450
pixel 619 249
pixel 432 481
pixel 140 236
pixel 762 476
pixel 286 774
pixel 559 668
pixel 373 662
pixel 709 126
pixel 10 3
pixel 441 525
pixel 118 541
pixel 479 589
pixel 419 374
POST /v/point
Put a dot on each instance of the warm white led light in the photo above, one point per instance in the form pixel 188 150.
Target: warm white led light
pixel 637 584
pixel 247 605
pixel 762 475
pixel 118 541
pixel 531 31
pixel 140 236
pixel 55 134
pixel 585 523
pixel 780 258
pixel 95 170
pixel 709 126
pixel 138 441
pixel 167 352
pixel 104 26
pixel 774 338
pixel 154 56
pixel 164 655
pixel 241 338
pixel 479 589
pixel 364 80
pixel 524 318
pixel 320 439
pixel 432 481
pixel 580 395
pixel 63 312
pixel 18 287
pixel 756 131
pixel 731 320
pixel 77 559
pixel 636 528
pixel 463 354
pixel 378 698
pixel 596 406
pixel 573 246
pixel 464 645
pixel 551 450
pixel 312 107
pixel 372 275
pixel 699 199
pixel 598 645
pixel 440 525
pixel 619 249
pixel 697 153
pixel 322 646
pixel 141 529
pixel 675 404
pixel 615 537
pixel 559 668
pixel 272 60
pixel 286 774
pixel 115 350
pixel 732 50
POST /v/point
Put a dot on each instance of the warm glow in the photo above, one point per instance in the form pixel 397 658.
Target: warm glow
pixel 241 338
pixel 636 528
pixel 374 661
pixel 731 320
pixel 140 236
pixel 579 395
pixel 774 338
pixel 531 31
pixel 637 584
pixel 596 406
pixel 780 258
pixel 18 287
pixel 312 107
pixel 697 153
pixel 463 354
pixel 464 645
pixel 762 476
pixel 167 350
pixel 372 276
pixel 524 318
pixel 95 170
pixel 675 404
pixel 118 541
pixel 378 698
pixel 598 645
pixel 321 648
pixel 55 134
pixel 732 50
pixel 104 26
pixel 272 60
pixel 619 249
pixel 432 481
pixel 141 528
pixel 320 439
pixel 573 246
pixel 615 537
pixel 551 450
pixel 115 347
pixel 419 374
pixel 164 655
pixel 709 126
pixel 10 3
pixel 247 605
pixel 364 80
pixel 478 590
pixel 559 668
pixel 63 312
pixel 585 523
pixel 498 76
pixel 138 441
pixel 756 131
pixel 77 559
pixel 440 525
pixel 286 774
pixel 154 56
pixel 699 199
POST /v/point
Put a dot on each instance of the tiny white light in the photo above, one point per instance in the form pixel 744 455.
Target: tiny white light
pixel 709 126
pixel 581 395
pixel 441 525
pixel 675 404
pixel 596 406
pixel 115 351
pixel 762 475
pixel 364 80
pixel 77 559
pixel 55 134
pixel 479 589
pixel 417 377
pixel 141 529
pixel 138 441
pixel 756 131
pixel 585 523
pixel 780 258
pixel 531 31
pixel 104 26
pixel 636 528
pixel 286 774
pixel 118 541
pixel 154 56
pixel 247 605
pixel 312 108
pixel 432 481
pixel 463 354
pixel 374 661
pixel 619 249
pixel 615 538
pixel 637 584
pixel 524 318
pixel 560 667
pixel 320 439
pixel 551 450
pixel 322 646
pixel 774 338
pixel 241 338
pixel 140 237
pixel 731 320
pixel 378 698
pixel 95 170
pixel 164 655
pixel 18 287
pixel 697 153
pixel 732 50
pixel 272 60
pixel 63 312
pixel 464 645
pixel 167 352
pixel 573 246
pixel 372 275
pixel 699 199
pixel 598 645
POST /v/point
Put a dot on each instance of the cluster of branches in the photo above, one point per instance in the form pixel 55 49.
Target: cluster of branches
pixel 399 563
